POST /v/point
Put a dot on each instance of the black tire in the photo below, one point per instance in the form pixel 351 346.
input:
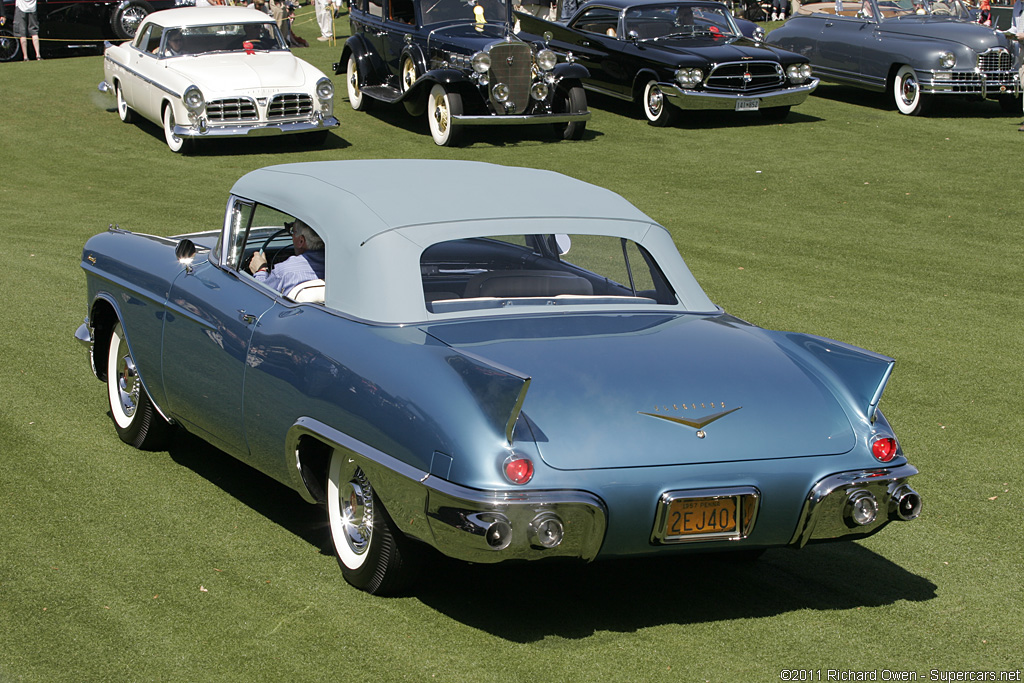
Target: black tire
pixel 775 113
pixel 571 100
pixel 10 47
pixel 374 556
pixel 127 16
pixel 658 110
pixel 135 418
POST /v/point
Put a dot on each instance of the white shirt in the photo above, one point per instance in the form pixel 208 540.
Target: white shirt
pixel 26 6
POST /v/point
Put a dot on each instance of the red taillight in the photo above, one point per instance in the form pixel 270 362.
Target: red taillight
pixel 884 449
pixel 519 470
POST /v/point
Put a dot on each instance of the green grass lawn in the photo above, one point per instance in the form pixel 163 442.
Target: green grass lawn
pixel 899 234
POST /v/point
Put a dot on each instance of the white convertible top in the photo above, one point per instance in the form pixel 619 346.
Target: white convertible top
pixel 377 216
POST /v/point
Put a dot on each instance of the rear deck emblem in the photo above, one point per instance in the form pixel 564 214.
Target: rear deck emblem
pixel 698 423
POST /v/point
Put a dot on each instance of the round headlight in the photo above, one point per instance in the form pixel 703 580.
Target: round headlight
pixel 539 91
pixel 688 78
pixel 947 60
pixel 546 60
pixel 324 88
pixel 795 73
pixel 193 99
pixel 481 62
pixel 805 71
pixel 500 92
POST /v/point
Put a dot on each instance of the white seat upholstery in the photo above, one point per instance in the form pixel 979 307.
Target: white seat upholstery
pixel 309 292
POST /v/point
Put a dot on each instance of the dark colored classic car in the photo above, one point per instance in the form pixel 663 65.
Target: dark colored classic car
pixel 67 24
pixel 458 62
pixel 674 55
pixel 913 49
pixel 500 380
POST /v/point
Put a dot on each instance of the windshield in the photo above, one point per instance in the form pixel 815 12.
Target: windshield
pixel 477 11
pixel 651 22
pixel 201 40
pixel 901 8
pixel 509 270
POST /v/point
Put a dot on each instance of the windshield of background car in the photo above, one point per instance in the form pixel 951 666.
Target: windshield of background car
pixel 509 270
pixel 651 22
pixel 898 8
pixel 477 11
pixel 201 40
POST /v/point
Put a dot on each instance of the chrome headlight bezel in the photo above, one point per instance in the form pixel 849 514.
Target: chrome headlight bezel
pixel 947 60
pixel 689 77
pixel 546 59
pixel 193 99
pixel 481 62
pixel 324 89
pixel 798 73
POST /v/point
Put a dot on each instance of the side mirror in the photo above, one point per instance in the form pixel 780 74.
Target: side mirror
pixel 185 252
pixel 633 36
pixel 548 35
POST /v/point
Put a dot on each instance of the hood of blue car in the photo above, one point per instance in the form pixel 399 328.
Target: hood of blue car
pixel 975 36
pixel 614 391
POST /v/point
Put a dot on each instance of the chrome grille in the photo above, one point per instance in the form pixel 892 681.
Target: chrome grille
pixel 746 77
pixel 232 109
pixel 289 106
pixel 996 59
pixel 511 64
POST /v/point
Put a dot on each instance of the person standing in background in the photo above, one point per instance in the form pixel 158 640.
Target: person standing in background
pixel 26 23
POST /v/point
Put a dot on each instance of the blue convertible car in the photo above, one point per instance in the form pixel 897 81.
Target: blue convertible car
pixel 498 380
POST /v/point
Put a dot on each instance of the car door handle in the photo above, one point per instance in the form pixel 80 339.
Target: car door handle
pixel 585 43
pixel 245 317
pixel 827 24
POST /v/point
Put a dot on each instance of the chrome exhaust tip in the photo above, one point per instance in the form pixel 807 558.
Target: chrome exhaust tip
pixel 904 503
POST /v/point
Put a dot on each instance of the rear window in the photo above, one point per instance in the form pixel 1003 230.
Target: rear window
pixel 501 271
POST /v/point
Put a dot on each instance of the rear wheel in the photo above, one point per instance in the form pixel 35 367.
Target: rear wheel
pixel 656 106
pixel 135 418
pixel 356 98
pixel 9 45
pixel 442 108
pixel 127 16
pixel 374 556
pixel 906 90
pixel 124 112
pixel 572 100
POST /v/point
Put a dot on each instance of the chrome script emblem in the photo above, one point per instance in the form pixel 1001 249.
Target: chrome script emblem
pixel 695 422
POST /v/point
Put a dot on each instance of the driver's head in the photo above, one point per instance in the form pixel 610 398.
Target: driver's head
pixel 304 238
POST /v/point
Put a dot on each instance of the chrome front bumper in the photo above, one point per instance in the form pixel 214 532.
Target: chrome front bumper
pixel 518 119
pixel 697 100
pixel 826 514
pixel 970 83
pixel 205 130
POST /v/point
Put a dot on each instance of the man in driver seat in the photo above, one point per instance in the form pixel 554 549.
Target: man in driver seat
pixel 307 263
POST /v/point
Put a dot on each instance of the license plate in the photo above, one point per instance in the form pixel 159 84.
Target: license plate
pixel 700 516
pixel 748 105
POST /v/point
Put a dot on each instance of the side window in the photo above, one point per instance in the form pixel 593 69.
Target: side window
pixel 153 40
pixel 402 10
pixel 375 8
pixel 598 20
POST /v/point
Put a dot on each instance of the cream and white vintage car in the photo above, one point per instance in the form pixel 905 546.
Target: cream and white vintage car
pixel 217 71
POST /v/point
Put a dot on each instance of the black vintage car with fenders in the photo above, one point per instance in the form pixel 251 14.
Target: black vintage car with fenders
pixel 672 55
pixel 458 62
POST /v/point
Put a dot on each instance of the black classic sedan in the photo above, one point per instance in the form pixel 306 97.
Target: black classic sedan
pixel 668 56
pixel 458 62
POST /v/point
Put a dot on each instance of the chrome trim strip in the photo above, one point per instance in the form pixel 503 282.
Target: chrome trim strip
pixel 822 518
pixel 255 129
pixel 694 99
pixel 502 119
pixel 147 80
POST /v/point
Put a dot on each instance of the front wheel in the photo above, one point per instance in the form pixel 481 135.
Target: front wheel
pixel 356 98
pixel 374 556
pixel 442 108
pixel 9 45
pixel 174 142
pixel 657 109
pixel 906 90
pixel 570 101
pixel 135 418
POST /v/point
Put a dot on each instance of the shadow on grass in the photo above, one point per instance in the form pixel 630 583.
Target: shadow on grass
pixel 242 146
pixel 528 601
pixel 696 119
pixel 947 107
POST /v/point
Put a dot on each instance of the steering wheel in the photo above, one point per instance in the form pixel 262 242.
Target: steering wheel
pixel 272 259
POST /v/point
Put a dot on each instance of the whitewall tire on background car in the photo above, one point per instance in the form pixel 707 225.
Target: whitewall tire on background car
pixel 374 556
pixel 123 110
pixel 135 418
pixel 176 143
pixel 355 95
pixel 656 107
pixel 571 100
pixel 442 107
pixel 906 90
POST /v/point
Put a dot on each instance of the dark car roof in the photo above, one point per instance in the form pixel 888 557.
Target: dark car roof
pixel 623 4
